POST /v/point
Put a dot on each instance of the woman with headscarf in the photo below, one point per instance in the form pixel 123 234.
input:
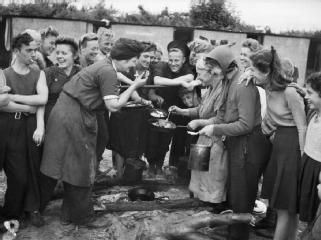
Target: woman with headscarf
pixel 209 186
pixel 70 148
pixel 239 119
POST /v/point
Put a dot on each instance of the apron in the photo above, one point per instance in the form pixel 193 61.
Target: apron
pixel 211 186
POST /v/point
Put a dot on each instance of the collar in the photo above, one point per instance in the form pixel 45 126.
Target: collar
pixel 113 64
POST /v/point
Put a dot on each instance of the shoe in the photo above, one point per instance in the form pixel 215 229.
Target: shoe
pixel 36 219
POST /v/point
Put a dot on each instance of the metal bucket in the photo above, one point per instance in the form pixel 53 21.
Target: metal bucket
pixel 199 157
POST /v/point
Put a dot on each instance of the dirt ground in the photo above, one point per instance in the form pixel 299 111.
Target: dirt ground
pixel 138 225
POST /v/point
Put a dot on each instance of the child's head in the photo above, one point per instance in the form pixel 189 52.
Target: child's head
pixel 313 87
pixel 189 98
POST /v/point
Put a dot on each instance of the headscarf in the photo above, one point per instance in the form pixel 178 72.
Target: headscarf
pixel 223 55
pixel 179 45
pixel 125 49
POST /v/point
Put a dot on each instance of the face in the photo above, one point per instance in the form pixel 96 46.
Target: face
pixel 64 56
pixel 27 53
pixel 91 51
pixel 245 57
pixel 261 79
pixel 209 76
pixel 158 57
pixel 187 99
pixel 313 98
pixel 175 61
pixel 48 45
pixel 126 65
pixel 105 45
pixel 146 58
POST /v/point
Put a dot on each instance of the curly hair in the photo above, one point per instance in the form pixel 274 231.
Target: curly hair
pixel 314 80
pixel 49 31
pixel 70 42
pixel 252 44
pixel 268 61
pixel 200 46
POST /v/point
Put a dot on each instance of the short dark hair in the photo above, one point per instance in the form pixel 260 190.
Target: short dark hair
pixel 49 31
pixel 149 46
pixel 84 39
pixel 70 42
pixel 125 49
pixel 21 39
pixel 314 80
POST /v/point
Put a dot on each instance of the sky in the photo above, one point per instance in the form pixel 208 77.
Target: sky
pixel 280 15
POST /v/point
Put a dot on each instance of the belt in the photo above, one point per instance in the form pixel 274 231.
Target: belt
pixel 20 115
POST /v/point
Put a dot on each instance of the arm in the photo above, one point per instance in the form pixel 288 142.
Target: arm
pixel 296 105
pixel 121 77
pixel 38 99
pixel 115 103
pixel 246 101
pixel 16 107
pixel 173 82
pixel 39 133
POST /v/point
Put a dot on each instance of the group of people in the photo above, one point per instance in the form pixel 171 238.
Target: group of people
pixel 57 116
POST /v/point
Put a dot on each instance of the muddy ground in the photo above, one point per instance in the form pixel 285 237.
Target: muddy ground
pixel 138 225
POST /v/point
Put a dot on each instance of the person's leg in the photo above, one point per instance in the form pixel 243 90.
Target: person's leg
pixel 16 170
pixel 77 205
pixel 47 187
pixel 282 225
pixel 119 164
pixel 164 142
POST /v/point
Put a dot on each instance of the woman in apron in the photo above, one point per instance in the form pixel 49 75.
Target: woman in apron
pixel 70 146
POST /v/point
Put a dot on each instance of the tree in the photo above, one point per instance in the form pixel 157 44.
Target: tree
pixel 215 14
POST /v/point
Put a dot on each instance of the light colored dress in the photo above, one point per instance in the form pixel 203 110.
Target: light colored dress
pixel 210 186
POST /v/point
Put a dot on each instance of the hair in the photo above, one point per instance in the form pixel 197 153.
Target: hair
pixel 287 69
pixel 105 33
pixel 34 34
pixel 149 46
pixel 211 63
pixel 252 44
pixel 125 49
pixel 158 49
pixel 200 46
pixel 49 31
pixel 70 42
pixel 176 50
pixel 84 39
pixel 21 39
pixel 314 80
pixel 268 61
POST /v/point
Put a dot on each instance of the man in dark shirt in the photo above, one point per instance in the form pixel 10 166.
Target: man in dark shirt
pixel 173 74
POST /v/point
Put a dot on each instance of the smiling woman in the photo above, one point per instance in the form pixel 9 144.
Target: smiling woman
pixel 57 76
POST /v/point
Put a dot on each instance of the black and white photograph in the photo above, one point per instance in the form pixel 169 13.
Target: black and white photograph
pixel 160 120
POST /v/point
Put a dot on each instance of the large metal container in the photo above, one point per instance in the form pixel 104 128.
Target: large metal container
pixel 199 157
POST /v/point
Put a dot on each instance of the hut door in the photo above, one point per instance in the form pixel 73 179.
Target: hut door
pixel 184 34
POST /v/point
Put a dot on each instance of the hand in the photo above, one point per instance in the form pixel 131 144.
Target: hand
pixel 146 102
pixel 194 124
pixel 141 79
pixel 32 109
pixel 175 110
pixel 5 89
pixel 4 99
pixel 207 130
pixel 38 136
pixel 156 99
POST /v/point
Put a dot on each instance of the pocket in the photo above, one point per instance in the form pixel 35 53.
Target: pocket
pixel 89 120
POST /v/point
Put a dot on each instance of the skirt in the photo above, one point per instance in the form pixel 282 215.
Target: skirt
pixel 281 178
pixel 308 197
